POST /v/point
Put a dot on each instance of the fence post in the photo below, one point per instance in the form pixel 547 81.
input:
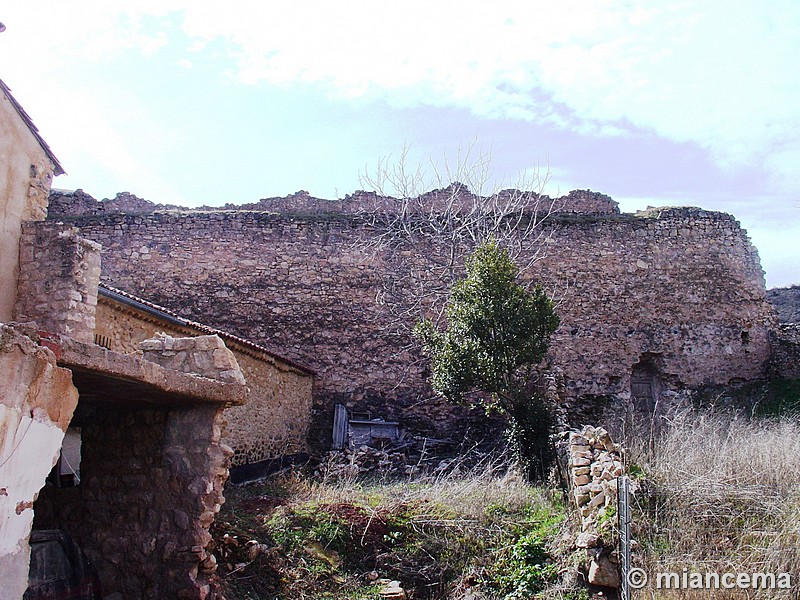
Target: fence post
pixel 624 516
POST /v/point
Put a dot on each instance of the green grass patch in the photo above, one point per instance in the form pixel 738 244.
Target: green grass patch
pixel 487 531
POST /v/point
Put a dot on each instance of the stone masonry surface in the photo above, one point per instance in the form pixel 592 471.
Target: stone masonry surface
pixel 275 386
pixel 151 485
pixel 786 302
pixel 79 203
pixel 786 351
pixel 58 277
pixel 680 286
pixel 204 355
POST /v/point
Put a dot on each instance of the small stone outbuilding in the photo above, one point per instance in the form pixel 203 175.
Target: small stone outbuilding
pixel 148 478
pixel 272 426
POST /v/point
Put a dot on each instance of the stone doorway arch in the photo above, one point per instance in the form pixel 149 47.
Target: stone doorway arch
pixel 646 386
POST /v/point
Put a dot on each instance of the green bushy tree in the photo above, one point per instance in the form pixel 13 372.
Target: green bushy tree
pixel 497 333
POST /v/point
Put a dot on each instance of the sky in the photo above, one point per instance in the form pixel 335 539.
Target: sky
pixel 192 102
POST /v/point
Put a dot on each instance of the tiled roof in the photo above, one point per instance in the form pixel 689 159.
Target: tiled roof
pixel 26 117
pixel 172 317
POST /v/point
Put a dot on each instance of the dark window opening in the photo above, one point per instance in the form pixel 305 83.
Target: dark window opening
pixel 102 340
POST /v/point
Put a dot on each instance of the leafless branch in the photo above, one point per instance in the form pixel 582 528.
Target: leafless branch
pixel 427 220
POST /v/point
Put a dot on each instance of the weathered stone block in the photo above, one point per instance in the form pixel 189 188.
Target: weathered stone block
pixel 604 572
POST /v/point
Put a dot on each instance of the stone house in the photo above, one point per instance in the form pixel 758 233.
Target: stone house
pixel 145 418
pixel 278 386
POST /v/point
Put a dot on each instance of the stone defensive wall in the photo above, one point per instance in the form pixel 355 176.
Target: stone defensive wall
pixel 786 351
pixel 79 203
pixel 677 293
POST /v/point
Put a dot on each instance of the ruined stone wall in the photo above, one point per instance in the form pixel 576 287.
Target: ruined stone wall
pixel 586 202
pixel 786 351
pixel 275 420
pixel 786 302
pixel 679 287
pixel 58 277
pixel 359 202
pixel 151 484
pixel 78 202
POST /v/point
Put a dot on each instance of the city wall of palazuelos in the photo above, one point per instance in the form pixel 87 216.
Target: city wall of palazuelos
pixel 676 293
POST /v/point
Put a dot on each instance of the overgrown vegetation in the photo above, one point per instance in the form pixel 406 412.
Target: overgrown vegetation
pixel 720 493
pixel 717 491
pixel 486 532
pixel 497 333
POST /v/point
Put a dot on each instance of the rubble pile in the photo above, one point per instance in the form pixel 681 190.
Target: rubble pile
pixel 408 456
pixel 593 464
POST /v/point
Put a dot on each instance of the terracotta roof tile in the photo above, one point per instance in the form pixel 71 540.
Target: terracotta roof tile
pixel 160 311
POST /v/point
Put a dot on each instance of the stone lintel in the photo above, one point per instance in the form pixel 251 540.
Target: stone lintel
pixel 103 375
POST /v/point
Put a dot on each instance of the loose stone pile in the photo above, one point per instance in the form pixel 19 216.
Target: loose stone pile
pixel 594 464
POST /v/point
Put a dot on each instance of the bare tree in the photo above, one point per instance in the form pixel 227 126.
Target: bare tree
pixel 429 218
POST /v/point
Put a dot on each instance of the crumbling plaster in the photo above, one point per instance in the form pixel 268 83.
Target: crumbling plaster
pixel 36 406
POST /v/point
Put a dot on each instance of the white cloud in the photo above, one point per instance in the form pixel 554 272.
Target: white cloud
pixel 716 73
pixel 719 73
pixel 95 126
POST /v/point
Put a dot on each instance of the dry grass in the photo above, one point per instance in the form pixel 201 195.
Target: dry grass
pixel 466 491
pixel 721 493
